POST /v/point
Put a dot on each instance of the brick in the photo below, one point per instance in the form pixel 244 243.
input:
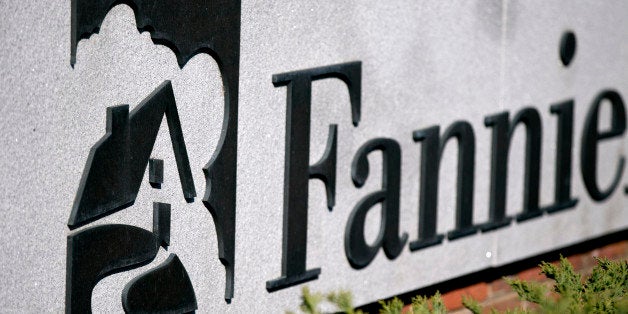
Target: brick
pixel 498 294
pixel 499 287
pixel 532 274
pixel 407 309
pixel 578 261
pixel 507 302
pixel 588 261
pixel 530 306
pixel 613 251
pixel 453 299
pixel 460 311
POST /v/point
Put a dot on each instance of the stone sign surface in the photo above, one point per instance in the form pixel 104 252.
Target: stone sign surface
pixel 223 154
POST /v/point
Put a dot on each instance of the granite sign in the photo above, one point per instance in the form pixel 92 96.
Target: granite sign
pixel 376 147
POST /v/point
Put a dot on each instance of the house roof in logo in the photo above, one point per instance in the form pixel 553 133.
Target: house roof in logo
pixel 117 163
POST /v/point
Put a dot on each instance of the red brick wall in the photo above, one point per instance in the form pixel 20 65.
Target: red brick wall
pixel 497 294
pixel 491 290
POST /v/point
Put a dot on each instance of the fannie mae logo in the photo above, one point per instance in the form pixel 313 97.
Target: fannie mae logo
pixel 118 163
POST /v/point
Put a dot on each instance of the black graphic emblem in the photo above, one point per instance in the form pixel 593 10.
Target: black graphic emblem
pixel 117 163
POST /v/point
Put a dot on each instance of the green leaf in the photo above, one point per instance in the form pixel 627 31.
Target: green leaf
pixel 437 304
pixel 310 301
pixel 420 305
pixel 471 305
pixel 394 306
pixel 528 291
pixel 568 282
pixel 343 301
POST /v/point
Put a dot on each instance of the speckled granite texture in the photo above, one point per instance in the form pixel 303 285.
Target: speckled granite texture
pixel 424 63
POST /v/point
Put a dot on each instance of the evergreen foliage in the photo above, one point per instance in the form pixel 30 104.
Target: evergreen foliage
pixel 472 305
pixel 604 291
pixel 343 301
pixel 424 305
pixel 394 306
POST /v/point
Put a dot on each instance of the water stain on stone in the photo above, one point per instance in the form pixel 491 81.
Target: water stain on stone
pixel 490 18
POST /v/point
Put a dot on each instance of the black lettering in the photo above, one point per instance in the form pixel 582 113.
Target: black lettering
pixel 564 140
pixel 431 154
pixel 590 138
pixel 298 171
pixel 358 252
pixel 503 130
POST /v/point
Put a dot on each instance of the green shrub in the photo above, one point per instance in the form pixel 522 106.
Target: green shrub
pixel 342 301
pixel 604 291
